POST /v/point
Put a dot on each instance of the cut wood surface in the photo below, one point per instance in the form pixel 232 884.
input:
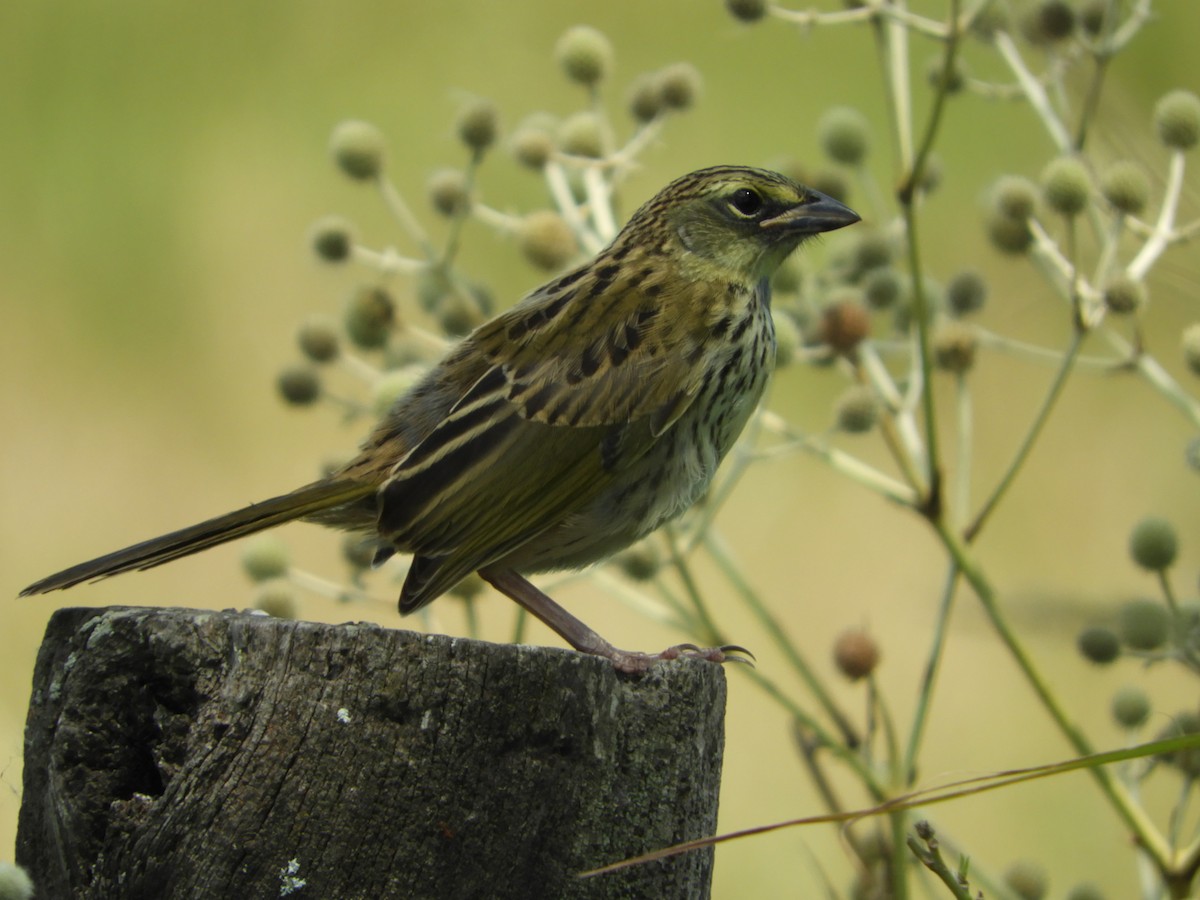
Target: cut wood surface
pixel 188 753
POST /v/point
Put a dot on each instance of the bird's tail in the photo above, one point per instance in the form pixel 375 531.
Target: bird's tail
pixel 300 503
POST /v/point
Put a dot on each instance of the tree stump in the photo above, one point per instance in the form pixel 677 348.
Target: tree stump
pixel 187 753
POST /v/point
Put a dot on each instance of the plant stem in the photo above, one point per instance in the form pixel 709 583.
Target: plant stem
pixel 721 556
pixel 1031 436
pixel 1130 812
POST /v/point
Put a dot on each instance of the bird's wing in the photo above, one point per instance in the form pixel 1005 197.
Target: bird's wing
pixel 539 435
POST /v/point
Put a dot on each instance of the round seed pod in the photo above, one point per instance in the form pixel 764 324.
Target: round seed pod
pixel 1099 645
pixel 966 293
pixel 855 654
pixel 318 339
pixel 954 346
pixel 856 410
pixel 645 100
pixel 299 385
pixel 358 149
pixel 1130 706
pixel 581 135
pixel 277 598
pixel 532 146
pixel 585 55
pixel 369 316
pixel 679 85
pixel 546 240
pixel 1027 880
pixel 1153 544
pixel 1144 624
pixel 477 125
pixel 1126 187
pixel 1015 197
pixel 1177 120
pixel 844 135
pixel 1066 185
pixel 265 557
pixel 746 10
pixel 332 239
pixel 1124 296
pixel 448 192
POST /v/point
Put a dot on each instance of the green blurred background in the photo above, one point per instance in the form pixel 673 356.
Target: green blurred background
pixel 160 165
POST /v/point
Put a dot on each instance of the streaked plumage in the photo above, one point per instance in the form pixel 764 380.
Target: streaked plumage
pixel 573 424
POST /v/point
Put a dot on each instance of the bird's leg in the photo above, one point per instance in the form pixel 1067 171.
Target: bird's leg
pixel 583 638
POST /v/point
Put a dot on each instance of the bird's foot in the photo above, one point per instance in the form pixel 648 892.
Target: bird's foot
pixel 634 663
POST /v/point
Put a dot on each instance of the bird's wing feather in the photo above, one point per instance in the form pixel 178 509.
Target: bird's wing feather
pixel 537 437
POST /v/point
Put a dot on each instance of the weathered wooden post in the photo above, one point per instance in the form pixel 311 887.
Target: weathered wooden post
pixel 186 753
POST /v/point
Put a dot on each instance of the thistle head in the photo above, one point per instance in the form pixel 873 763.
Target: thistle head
pixel 734 221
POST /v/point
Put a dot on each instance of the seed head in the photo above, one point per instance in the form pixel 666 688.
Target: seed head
pixel 1125 186
pixel 318 339
pixel 299 385
pixel 855 654
pixel 856 410
pixel 845 135
pixel 1099 645
pixel 1123 295
pixel 1144 624
pixel 679 86
pixel 478 123
pixel 883 287
pixel 1027 879
pixel 844 325
pixel 1065 186
pixel 547 240
pixel 1049 22
pixel 1177 119
pixel 277 598
pixel 448 192
pixel 265 557
pixel 1153 544
pixel 1130 706
pixel 585 55
pixel 645 98
pixel 954 347
pixel 1093 17
pixel 642 561
pixel 581 135
pixel 369 316
pixel 1009 235
pixel 532 145
pixel 1015 197
pixel 966 293
pixel 747 10
pixel 458 314
pixel 332 239
pixel 1086 890
pixel 358 148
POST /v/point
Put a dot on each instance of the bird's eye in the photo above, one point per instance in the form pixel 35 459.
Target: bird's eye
pixel 746 202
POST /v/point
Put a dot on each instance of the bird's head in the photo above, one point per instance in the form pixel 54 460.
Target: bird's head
pixel 738 220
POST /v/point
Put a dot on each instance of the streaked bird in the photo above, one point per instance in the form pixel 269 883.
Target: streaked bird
pixel 580 420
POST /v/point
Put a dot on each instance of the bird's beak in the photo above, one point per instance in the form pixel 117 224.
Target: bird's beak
pixel 815 214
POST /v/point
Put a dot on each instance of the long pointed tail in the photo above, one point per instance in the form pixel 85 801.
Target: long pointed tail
pixel 305 501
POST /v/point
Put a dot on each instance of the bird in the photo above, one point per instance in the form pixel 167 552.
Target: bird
pixel 571 425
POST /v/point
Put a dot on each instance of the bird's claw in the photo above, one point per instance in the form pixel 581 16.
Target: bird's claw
pixel 636 663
